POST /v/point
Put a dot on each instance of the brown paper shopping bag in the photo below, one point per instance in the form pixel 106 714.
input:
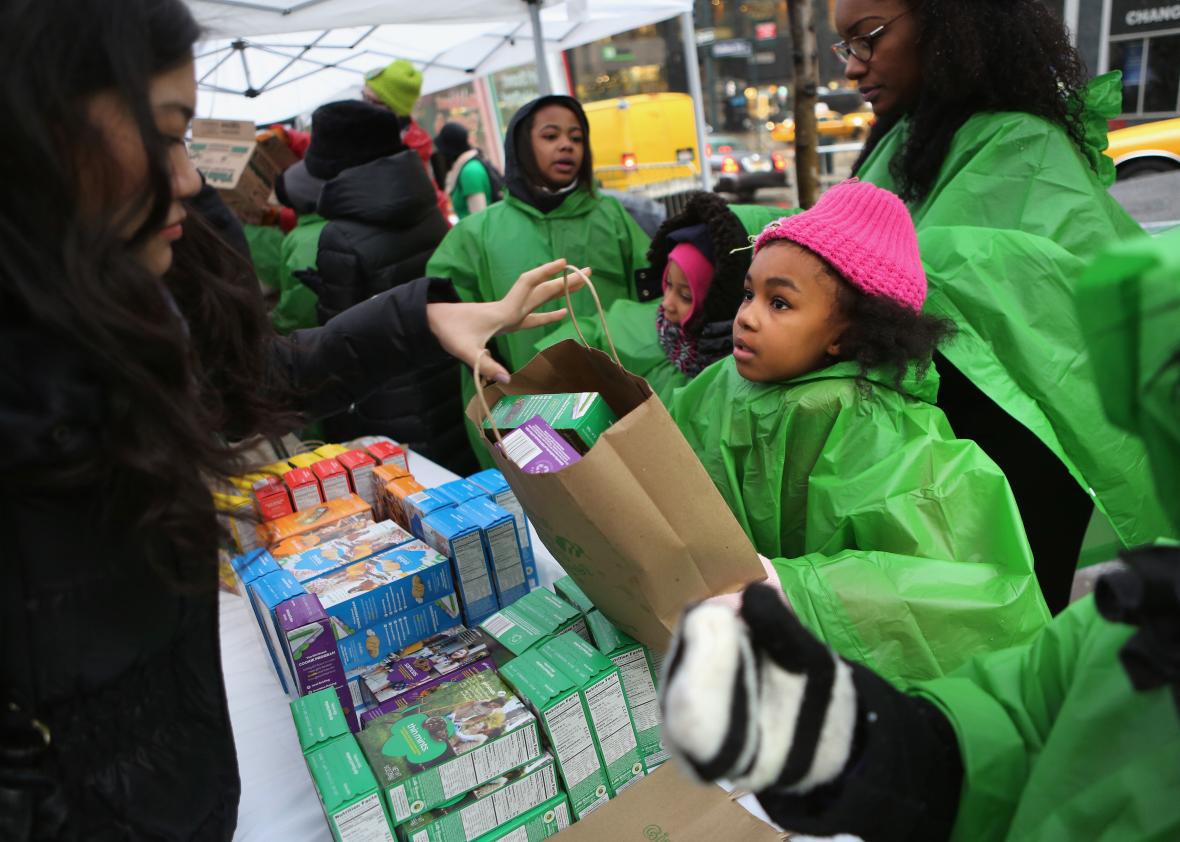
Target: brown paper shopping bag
pixel 636 522
pixel 668 807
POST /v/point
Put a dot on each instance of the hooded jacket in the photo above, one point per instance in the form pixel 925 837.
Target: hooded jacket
pixel 123 668
pixel 1013 217
pixel 632 324
pixel 485 253
pixel 896 543
pixel 382 226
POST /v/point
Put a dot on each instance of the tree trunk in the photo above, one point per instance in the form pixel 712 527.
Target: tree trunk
pixel 805 61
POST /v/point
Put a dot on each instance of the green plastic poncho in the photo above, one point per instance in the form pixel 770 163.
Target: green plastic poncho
pixel 485 253
pixel 1013 218
pixel 632 324
pixel 296 306
pixel 1056 743
pixel 266 245
pixel 896 543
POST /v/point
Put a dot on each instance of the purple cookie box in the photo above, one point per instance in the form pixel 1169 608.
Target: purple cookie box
pixel 555 452
pixel 315 665
pixel 411 696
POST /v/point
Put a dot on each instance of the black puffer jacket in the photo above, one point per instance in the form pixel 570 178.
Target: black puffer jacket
pixel 383 225
pixel 123 668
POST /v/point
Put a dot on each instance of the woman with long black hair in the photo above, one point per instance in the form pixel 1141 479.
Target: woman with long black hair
pixel 134 349
pixel 988 130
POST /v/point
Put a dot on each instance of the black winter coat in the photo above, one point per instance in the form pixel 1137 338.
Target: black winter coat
pixel 383 225
pixel 123 668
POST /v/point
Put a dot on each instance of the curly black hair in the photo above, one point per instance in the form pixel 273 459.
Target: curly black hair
pixel 982 55
pixel 885 335
pixel 729 268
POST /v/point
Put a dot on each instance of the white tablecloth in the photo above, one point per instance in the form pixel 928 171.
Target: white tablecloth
pixel 278 799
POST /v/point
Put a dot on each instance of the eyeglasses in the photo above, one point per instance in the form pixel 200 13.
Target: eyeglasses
pixel 862 45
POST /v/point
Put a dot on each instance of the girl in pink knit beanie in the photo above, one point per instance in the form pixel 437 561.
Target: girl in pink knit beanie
pixel 895 541
pixel 842 281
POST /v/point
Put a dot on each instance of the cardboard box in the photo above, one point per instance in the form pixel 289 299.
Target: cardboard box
pixel 486 808
pixel 459 738
pixel 382 476
pixel 267 593
pixel 461 539
pixel 639 675
pixel 602 692
pixel 557 703
pixel 391 499
pixel 272 500
pixel 332 477
pixel 570 591
pixel 493 482
pixel 241 164
pixel 404 677
pixel 578 417
pixel 305 490
pixel 538 823
pixel 323 523
pixel 365 541
pixel 360 473
pixel 536 448
pixel 670 807
pixel 309 645
pixel 501 547
pixel 382 586
pixel 331 451
pixel 420 504
pixel 349 793
pixel 362 651
pixel 390 453
pixel 319 719
pixel 458 491
pixel 534 618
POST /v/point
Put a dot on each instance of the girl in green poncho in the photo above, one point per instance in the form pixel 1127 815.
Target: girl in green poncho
pixel 988 131
pixel 894 541
pixel 1075 735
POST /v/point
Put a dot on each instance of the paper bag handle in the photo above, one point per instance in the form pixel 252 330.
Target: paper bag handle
pixel 569 306
pixel 483 401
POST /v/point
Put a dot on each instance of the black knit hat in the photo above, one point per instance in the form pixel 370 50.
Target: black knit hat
pixel 350 133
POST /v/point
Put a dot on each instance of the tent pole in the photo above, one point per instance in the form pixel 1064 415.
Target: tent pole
pixel 543 83
pixel 693 70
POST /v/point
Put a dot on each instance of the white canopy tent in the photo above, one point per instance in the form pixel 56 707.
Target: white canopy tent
pixel 270 60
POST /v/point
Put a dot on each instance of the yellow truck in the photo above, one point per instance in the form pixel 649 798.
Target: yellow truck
pixel 643 140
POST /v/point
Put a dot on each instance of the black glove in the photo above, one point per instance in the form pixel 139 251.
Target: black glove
pixel 828 746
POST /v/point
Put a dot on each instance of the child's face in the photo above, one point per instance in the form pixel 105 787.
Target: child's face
pixel 677 295
pixel 789 321
pixel 559 145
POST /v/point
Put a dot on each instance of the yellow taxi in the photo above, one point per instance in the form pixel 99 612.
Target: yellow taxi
pixel 852 126
pixel 1146 148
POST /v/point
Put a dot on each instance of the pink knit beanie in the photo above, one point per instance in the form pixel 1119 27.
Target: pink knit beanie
pixel 866 234
pixel 697 270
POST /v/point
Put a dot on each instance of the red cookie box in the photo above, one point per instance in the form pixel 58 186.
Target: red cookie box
pixel 333 479
pixel 271 498
pixel 305 491
pixel 388 453
pixel 360 473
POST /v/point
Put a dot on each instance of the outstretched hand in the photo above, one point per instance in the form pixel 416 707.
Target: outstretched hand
pixel 464 329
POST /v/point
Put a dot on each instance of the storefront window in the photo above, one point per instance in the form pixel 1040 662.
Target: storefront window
pixel 1127 56
pixel 1163 75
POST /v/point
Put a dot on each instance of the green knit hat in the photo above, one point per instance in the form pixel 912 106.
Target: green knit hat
pixel 398 85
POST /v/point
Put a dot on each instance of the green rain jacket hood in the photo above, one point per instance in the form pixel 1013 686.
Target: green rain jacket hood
pixel 1009 225
pixel 632 324
pixel 896 543
pixel 1056 742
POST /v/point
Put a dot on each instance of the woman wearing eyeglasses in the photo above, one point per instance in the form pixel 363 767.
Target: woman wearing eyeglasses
pixel 986 128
